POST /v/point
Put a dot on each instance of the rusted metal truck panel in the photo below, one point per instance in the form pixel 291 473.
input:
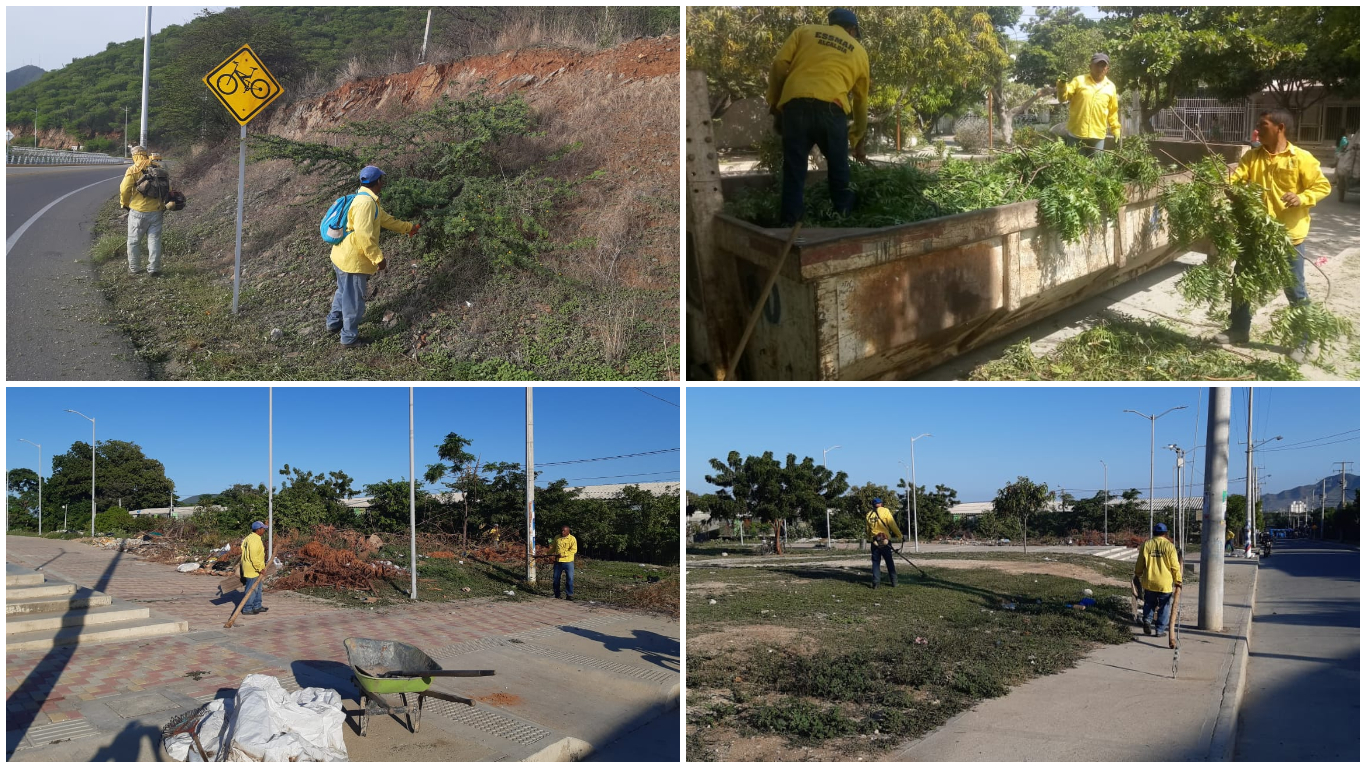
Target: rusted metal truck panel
pixel 887 303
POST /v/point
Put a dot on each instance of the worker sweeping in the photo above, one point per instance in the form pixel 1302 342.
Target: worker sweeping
pixel 881 529
pixel 1157 572
pixel 1292 182
pixel 1092 106
pixel 817 82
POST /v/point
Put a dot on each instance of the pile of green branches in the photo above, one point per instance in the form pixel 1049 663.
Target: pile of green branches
pixel 1250 256
pixel 1075 193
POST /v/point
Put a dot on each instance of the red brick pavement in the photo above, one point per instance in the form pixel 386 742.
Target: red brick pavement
pixel 50 686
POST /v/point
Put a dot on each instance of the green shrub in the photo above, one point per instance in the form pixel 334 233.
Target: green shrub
pixel 802 719
pixel 115 520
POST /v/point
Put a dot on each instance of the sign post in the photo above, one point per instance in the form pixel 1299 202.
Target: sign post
pixel 244 86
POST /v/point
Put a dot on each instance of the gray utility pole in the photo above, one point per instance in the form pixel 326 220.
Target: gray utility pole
pixel 1152 450
pixel 92 469
pixel 146 70
pixel 530 497
pixel 829 542
pixel 1344 465
pixel 423 58
pixel 1211 610
pixel 1323 499
pixel 125 132
pixel 1179 518
pixel 412 500
pixel 915 516
pixel 270 477
pixel 1249 506
pixel 40 483
pixel 1106 505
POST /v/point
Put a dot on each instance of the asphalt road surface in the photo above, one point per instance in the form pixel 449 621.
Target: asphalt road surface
pixel 53 330
pixel 1302 701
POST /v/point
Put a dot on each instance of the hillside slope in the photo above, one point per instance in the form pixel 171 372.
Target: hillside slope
pixel 603 304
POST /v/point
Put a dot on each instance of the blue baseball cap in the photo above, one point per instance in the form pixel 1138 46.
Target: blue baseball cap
pixel 258 525
pixel 877 501
pixel 1160 528
pixel 843 17
pixel 370 174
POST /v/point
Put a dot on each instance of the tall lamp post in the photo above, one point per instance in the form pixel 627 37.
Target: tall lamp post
pixel 1152 451
pixel 1105 505
pixel 40 483
pixel 1180 511
pixel 829 542
pixel 92 469
pixel 1253 490
pixel 915 525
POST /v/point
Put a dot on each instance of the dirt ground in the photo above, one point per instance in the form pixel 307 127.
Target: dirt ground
pixel 1067 570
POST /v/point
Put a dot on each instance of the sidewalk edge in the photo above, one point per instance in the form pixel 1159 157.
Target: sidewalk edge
pixel 1226 726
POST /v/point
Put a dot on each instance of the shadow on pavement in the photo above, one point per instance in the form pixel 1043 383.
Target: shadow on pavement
pixel 653 647
pixel 127 746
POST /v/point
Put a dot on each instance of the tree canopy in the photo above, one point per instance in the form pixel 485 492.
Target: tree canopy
pixel 123 473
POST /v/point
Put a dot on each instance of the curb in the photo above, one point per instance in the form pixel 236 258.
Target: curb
pixel 1226 724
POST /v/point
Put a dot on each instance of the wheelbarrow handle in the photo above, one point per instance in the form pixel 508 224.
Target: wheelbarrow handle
pixel 441 673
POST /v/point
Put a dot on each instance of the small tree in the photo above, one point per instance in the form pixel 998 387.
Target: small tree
pixel 755 484
pixel 1019 500
pixel 462 469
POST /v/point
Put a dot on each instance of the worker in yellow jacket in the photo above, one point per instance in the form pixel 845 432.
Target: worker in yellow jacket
pixel 253 568
pixel 358 256
pixel 144 215
pixel 1092 106
pixel 1292 182
pixel 881 529
pixel 1158 573
pixel 566 546
pixel 818 80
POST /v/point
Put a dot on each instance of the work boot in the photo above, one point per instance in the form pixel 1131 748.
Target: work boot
pixel 262 609
pixel 248 612
pixel 1232 336
pixel 1148 628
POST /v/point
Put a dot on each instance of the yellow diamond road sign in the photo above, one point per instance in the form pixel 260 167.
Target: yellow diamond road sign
pixel 243 85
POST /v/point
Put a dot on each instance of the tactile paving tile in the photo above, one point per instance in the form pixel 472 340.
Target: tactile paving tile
pixel 489 722
pixel 629 670
pixel 42 735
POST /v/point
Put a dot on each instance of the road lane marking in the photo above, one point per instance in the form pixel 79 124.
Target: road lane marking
pixel 14 238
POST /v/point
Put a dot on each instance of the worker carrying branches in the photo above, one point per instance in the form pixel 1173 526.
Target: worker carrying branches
pixel 819 79
pixel 881 528
pixel 1092 106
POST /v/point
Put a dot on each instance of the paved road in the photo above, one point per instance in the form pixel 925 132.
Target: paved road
pixel 1302 701
pixel 53 330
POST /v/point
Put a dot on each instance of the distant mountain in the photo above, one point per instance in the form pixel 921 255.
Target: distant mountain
pixel 18 78
pixel 1332 487
pixel 192 500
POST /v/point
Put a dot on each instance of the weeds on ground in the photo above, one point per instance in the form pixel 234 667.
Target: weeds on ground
pixel 1120 348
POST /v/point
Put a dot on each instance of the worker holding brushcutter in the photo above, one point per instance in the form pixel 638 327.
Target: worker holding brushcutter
pixel 1292 182
pixel 1092 106
pixel 818 80
pixel 1157 572
pixel 881 528
pixel 357 257
pixel 253 568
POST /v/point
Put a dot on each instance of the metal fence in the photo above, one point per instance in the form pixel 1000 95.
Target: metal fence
pixel 37 156
pixel 1210 119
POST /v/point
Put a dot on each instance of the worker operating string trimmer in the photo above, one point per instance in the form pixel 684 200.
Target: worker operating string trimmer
pixel 882 529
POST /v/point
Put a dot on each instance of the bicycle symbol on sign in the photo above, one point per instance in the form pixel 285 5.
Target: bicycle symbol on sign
pixel 228 83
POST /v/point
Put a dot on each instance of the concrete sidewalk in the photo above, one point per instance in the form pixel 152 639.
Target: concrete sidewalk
pixel 1120 703
pixel 571 678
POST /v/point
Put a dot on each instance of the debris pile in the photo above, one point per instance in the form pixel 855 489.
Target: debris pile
pixel 317 565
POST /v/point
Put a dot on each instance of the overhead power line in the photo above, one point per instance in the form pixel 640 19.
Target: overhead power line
pixel 657 397
pixel 613 477
pixel 606 458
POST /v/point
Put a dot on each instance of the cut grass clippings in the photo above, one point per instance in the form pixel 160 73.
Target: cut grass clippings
pixel 867 669
pixel 1121 348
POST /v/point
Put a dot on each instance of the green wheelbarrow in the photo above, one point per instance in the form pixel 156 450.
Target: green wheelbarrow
pixel 386 667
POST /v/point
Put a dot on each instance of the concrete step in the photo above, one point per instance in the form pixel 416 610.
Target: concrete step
pixel 49 589
pixel 41 640
pixel 82 598
pixel 116 612
pixel 19 576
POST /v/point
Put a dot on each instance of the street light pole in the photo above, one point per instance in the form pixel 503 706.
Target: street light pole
pixel 829 542
pixel 40 483
pixel 1152 451
pixel 92 469
pixel 1106 504
pixel 1179 520
pixel 915 529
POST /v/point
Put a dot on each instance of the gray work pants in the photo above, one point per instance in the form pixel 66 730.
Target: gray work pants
pixel 148 224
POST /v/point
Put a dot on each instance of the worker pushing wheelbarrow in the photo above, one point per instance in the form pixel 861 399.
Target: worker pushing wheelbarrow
pixel 386 667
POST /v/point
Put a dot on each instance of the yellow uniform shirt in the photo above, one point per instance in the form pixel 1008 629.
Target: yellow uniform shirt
pixel 1157 567
pixel 826 63
pixel 881 521
pixel 565 548
pixel 1091 106
pixel 1292 170
pixel 130 197
pixel 359 253
pixel 253 555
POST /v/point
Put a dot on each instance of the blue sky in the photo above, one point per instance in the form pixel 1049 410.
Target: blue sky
pixel 51 36
pixel 212 437
pixel 984 437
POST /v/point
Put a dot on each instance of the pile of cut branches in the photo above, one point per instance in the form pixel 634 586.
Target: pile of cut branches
pixel 315 564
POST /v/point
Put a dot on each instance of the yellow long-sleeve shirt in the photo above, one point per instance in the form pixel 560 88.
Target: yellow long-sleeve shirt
pixel 826 63
pixel 1157 567
pixel 565 548
pixel 253 555
pixel 1092 106
pixel 881 521
pixel 130 197
pixel 1290 170
pixel 359 253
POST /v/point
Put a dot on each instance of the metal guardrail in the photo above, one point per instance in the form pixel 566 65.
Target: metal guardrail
pixel 38 156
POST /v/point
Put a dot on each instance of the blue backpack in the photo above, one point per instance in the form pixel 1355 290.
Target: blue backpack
pixel 333 226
